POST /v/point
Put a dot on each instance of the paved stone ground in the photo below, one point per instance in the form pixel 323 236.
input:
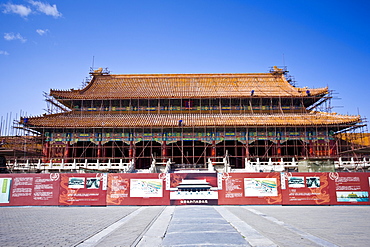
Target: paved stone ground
pixel 201 225
pixel 186 226
pixel 55 226
pixel 341 225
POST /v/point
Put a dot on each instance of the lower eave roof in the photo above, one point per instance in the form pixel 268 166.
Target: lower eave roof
pixel 73 120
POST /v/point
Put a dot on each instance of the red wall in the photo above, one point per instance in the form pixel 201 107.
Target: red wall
pixel 68 189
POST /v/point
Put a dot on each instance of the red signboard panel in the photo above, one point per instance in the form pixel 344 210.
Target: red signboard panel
pixel 349 188
pixel 305 189
pixel 193 188
pixel 250 188
pixel 78 189
pixel 29 189
pixel 137 189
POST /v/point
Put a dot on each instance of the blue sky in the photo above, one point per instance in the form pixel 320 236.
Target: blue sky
pixel 51 44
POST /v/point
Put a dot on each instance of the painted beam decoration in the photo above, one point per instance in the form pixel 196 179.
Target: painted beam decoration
pixel 174 136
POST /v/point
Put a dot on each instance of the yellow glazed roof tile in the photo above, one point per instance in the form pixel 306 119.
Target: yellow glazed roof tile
pixel 71 120
pixel 187 86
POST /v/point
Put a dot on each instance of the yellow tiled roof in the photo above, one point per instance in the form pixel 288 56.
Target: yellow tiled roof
pixel 73 120
pixel 356 138
pixel 187 86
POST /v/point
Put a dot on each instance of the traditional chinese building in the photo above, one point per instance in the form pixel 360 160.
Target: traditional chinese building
pixel 191 118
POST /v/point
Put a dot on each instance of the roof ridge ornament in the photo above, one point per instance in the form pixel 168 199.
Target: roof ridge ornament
pixel 283 70
pixel 278 70
pixel 99 71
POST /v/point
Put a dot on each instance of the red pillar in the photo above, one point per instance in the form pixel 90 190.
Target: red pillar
pixel 67 152
pixel 246 150
pixel 311 149
pixel 99 150
pixel 164 152
pixel 46 152
pixel 104 152
pixel 213 151
pixel 333 148
pixel 245 153
pixel 131 153
pixel 278 148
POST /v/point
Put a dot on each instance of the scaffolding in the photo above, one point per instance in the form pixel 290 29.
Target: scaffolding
pixel 193 120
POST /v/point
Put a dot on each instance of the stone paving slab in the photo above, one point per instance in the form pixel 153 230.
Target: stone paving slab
pixel 130 231
pixel 201 226
pixel 340 225
pixel 277 234
pixel 158 230
pixel 55 226
pixel 253 237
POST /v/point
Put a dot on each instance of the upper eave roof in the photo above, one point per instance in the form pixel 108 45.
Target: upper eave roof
pixel 157 86
pixel 75 120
